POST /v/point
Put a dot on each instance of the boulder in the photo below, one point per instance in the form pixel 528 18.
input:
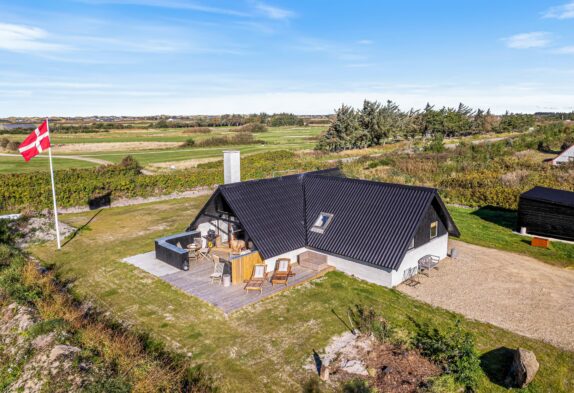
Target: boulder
pixel 354 367
pixel 523 369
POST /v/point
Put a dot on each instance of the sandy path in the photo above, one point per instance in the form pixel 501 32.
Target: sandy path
pixel 81 158
pixel 511 291
pixel 112 146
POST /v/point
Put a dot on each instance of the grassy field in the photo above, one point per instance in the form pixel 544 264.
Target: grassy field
pixel 494 228
pixel 264 346
pixel 277 138
pixel 18 165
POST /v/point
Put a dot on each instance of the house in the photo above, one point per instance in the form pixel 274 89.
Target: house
pixel 547 212
pixel 375 231
pixel 567 156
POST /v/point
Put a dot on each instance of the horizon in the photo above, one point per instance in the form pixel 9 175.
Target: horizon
pixel 81 58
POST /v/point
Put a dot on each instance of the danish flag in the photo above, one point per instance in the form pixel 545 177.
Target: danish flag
pixel 36 142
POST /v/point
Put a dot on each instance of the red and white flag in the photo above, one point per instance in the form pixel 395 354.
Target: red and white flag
pixel 36 142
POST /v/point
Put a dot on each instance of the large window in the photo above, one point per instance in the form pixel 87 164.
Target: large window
pixel 433 229
pixel 322 222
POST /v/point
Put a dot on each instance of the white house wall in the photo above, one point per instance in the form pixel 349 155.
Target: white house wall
pixel 437 246
pixel 292 255
pixel 566 156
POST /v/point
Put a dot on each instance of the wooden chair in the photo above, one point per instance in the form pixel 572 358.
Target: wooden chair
pixel 217 274
pixel 427 263
pixel 202 252
pixel 282 271
pixel 258 277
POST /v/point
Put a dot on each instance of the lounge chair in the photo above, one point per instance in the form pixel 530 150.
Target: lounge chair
pixel 258 277
pixel 282 271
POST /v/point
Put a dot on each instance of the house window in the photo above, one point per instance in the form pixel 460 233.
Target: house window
pixel 434 229
pixel 322 222
pixel 412 244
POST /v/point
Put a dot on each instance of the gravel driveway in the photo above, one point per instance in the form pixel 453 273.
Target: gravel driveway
pixel 512 291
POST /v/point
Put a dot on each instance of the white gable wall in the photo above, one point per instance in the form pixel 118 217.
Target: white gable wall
pixel 385 277
pixel 437 246
pixel 566 156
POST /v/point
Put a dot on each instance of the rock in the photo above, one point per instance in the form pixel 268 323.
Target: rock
pixel 523 369
pixel 62 351
pixel 324 373
pixel 43 341
pixel 355 367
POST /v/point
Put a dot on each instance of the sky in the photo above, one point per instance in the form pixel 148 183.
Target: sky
pixel 180 57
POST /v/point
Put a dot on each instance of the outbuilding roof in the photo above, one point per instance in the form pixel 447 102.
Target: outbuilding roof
pixel 550 195
pixel 371 222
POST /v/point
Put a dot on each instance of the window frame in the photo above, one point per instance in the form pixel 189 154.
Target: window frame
pixel 321 229
pixel 433 225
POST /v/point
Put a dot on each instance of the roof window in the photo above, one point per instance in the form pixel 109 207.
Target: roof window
pixel 322 222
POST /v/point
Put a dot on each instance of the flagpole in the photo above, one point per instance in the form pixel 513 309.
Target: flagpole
pixel 53 189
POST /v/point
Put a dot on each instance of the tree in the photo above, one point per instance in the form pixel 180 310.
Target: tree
pixel 344 133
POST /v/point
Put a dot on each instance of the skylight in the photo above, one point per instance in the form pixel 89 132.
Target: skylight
pixel 322 222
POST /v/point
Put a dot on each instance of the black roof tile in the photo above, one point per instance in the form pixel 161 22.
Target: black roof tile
pixel 560 197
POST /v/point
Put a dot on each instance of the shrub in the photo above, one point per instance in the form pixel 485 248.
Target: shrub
pixel 357 385
pixel 241 138
pixel 452 349
pixel 13 146
pixel 436 145
pixel 130 163
pixel 198 130
pixel 188 143
pixel 252 127
pixel 4 142
pixel 369 321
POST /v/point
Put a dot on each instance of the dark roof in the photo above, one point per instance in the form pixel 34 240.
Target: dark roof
pixel 372 222
pixel 551 195
pixel 270 211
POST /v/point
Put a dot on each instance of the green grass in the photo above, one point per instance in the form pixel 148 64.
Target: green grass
pixel 18 165
pixel 494 228
pixel 277 138
pixel 264 346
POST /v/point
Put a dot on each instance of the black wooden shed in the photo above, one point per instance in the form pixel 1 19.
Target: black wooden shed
pixel 547 212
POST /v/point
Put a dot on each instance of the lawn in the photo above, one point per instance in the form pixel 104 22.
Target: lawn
pixel 277 138
pixel 18 165
pixel 261 347
pixel 494 228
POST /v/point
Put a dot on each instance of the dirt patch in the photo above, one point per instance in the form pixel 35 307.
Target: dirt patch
pixel 512 291
pixel 387 367
pixel 40 229
pixel 112 146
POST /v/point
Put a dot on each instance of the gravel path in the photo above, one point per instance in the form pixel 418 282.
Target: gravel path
pixel 511 291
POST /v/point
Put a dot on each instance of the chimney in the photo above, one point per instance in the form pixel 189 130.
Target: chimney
pixel 231 166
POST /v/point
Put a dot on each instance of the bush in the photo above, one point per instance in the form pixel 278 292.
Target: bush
pixel 357 386
pixel 130 163
pixel 369 321
pixel 13 146
pixel 452 349
pixel 188 143
pixel 241 138
pixel 252 127
pixel 4 142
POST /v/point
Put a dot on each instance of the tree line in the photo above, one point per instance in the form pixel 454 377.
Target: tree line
pixel 376 123
pixel 234 120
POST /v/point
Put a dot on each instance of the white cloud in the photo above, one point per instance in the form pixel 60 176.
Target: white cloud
pixel 273 12
pixel 21 38
pixel 180 5
pixel 537 39
pixel 365 42
pixel 565 11
pixel 565 50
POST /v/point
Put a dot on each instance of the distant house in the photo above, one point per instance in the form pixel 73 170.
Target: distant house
pixel 547 212
pixel 374 231
pixel 565 157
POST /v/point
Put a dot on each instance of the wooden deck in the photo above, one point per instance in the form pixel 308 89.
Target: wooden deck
pixel 196 282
